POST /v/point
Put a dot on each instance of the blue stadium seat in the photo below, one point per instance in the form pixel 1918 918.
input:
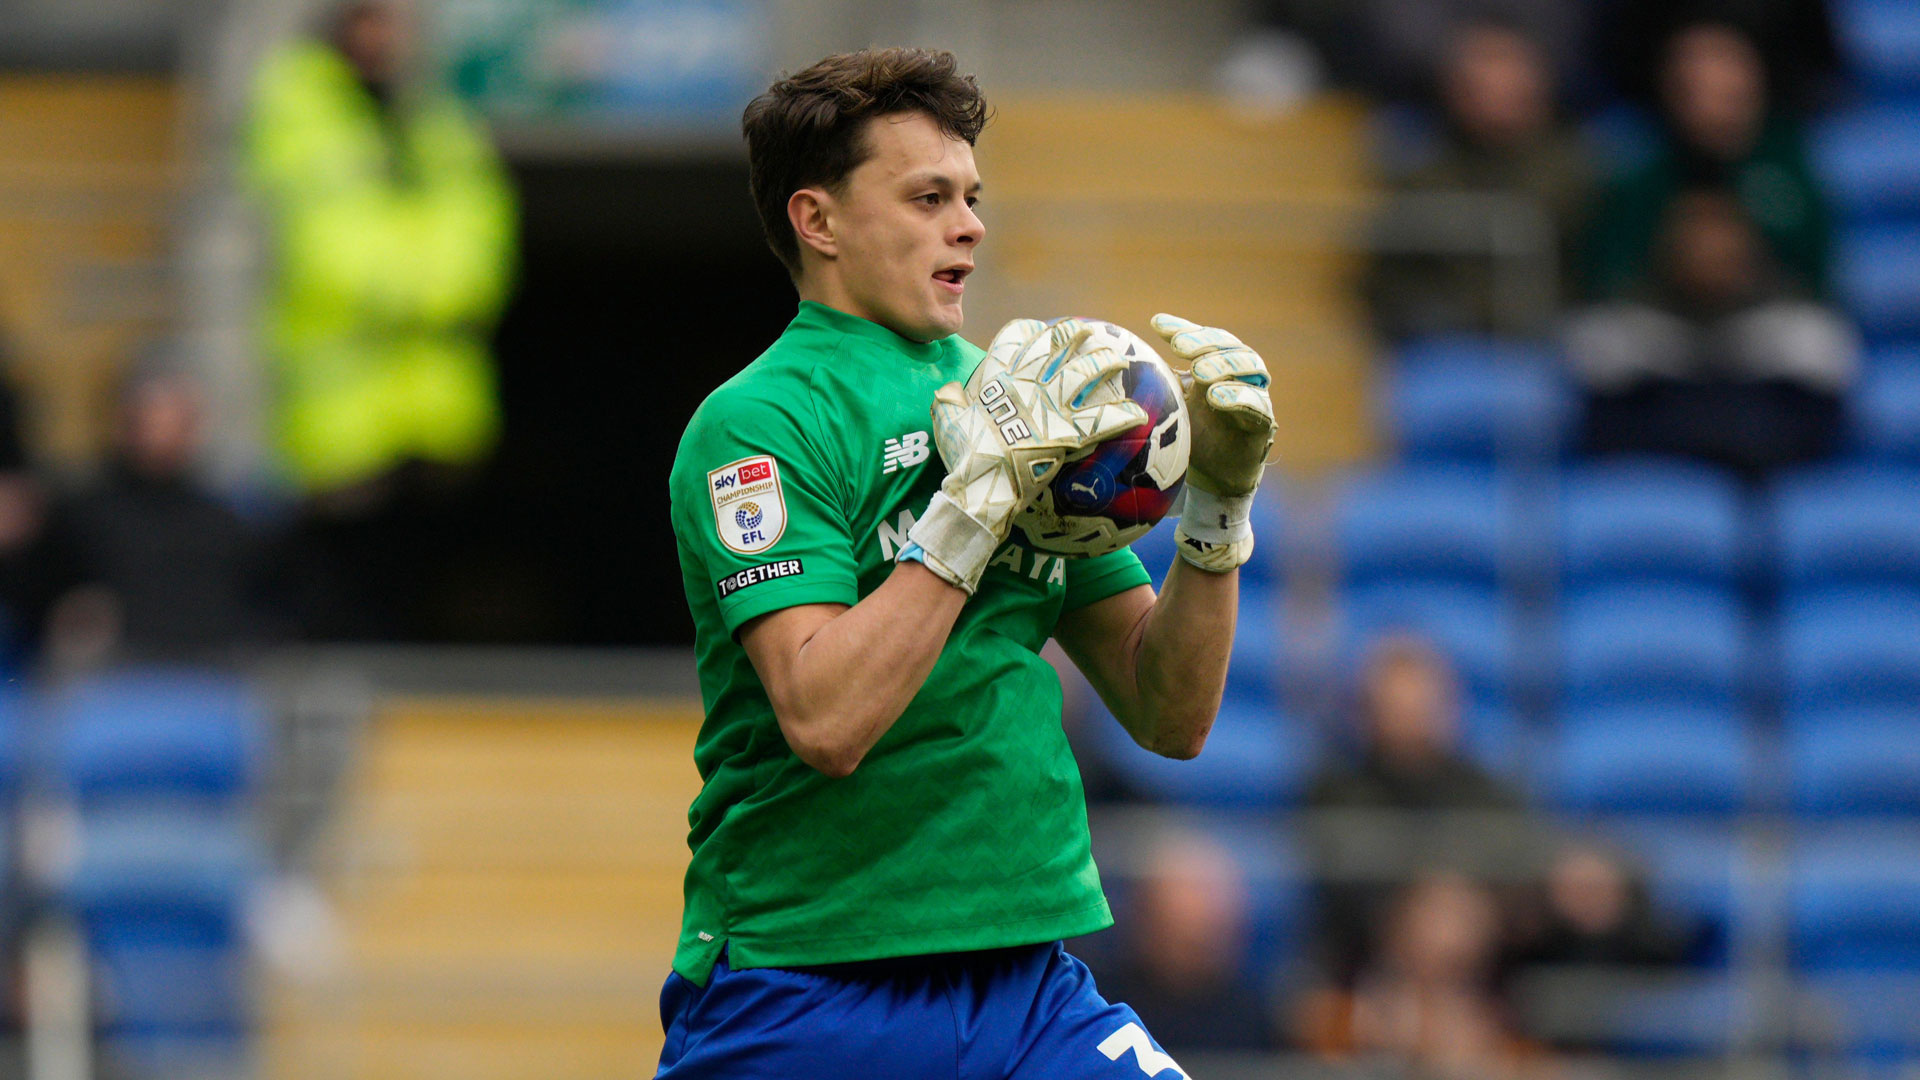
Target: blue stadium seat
pixel 1855 647
pixel 1854 761
pixel 1884 408
pixel 1264 656
pixel 1869 160
pixel 1493 736
pixel 1877 268
pixel 1477 406
pixel 1471 625
pixel 1882 40
pixel 1654 643
pixel 1650 760
pixel 1854 903
pixel 1434 521
pixel 1850 524
pixel 1468 350
pixel 1867 1015
pixel 160 765
pixel 1651 519
pixel 1257 757
pixel 158 732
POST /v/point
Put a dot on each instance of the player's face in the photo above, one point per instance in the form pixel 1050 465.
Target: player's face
pixel 906 228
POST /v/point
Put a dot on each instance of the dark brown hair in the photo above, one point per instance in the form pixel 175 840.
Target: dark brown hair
pixel 808 129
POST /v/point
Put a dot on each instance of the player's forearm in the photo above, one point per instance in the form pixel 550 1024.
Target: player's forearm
pixel 1180 660
pixel 856 674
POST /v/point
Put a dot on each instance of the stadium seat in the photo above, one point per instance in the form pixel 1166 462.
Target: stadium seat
pixel 1869 160
pixel 157 732
pixel 1882 39
pixel 160 766
pixel 1448 522
pixel 1494 737
pixel 1852 524
pixel 1878 273
pixel 1855 647
pixel 1854 903
pixel 1650 519
pixel 1263 654
pixel 1653 643
pixel 1855 761
pixel 1471 625
pixel 1884 408
pixel 1650 760
pixel 1256 757
pixel 1477 406
pixel 1865 1015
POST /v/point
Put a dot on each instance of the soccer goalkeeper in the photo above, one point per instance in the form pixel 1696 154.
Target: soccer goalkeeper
pixel 891 839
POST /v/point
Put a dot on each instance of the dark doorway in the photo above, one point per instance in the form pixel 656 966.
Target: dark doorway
pixel 643 286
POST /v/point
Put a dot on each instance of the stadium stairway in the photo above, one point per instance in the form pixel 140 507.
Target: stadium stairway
pixel 1124 206
pixel 87 185
pixel 506 877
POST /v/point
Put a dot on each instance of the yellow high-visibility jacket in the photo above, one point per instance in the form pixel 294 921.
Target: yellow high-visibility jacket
pixel 394 244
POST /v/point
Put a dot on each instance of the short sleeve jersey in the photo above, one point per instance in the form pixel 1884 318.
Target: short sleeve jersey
pixel 965 826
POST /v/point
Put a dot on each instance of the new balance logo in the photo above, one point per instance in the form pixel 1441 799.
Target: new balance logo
pixel 1133 1037
pixel 904 452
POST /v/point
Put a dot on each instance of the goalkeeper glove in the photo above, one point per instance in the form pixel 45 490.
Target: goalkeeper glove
pixel 1232 417
pixel 1004 436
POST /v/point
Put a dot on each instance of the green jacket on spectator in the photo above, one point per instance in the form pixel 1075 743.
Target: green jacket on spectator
pixel 1774 183
pixel 393 247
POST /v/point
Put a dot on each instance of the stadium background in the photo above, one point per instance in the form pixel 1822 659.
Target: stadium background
pixel 458 854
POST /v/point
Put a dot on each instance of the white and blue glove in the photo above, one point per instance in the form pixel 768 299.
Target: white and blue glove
pixel 1006 433
pixel 1231 411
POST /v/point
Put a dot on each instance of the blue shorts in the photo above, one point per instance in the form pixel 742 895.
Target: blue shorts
pixel 1027 1013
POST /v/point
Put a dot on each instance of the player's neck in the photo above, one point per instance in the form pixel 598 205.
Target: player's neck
pixel 828 290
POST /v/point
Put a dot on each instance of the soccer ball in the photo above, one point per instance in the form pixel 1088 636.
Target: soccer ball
pixel 1110 494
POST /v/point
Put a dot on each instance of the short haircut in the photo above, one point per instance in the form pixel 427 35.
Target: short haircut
pixel 808 129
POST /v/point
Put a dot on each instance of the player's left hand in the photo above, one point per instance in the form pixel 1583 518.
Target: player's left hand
pixel 1227 403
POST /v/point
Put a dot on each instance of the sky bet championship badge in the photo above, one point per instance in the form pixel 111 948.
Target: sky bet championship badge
pixel 748 508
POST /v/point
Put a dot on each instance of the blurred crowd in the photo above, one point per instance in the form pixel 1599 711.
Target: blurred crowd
pixel 1626 185
pixel 1690 235
pixel 389 228
pixel 1440 896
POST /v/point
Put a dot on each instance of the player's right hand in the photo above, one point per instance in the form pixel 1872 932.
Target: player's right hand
pixel 1007 432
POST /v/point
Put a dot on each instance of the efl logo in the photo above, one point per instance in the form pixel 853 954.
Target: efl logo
pixel 749 510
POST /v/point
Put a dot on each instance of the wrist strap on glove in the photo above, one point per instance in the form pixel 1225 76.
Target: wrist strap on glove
pixel 1215 532
pixel 951 543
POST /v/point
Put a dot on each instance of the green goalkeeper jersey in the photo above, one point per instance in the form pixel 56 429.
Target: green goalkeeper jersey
pixel 965 827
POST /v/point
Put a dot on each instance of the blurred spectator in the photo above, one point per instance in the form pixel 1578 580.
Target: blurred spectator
pixel 1426 995
pixel 1722 358
pixel 393 229
pixel 1720 133
pixel 1796 38
pixel 1181 969
pixel 1395 48
pixel 31 556
pixel 1404 806
pixel 1499 137
pixel 1594 911
pixel 162 569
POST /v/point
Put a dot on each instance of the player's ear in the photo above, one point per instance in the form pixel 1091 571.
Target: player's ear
pixel 810 211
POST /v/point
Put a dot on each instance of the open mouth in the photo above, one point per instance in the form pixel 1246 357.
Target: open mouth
pixel 952 276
